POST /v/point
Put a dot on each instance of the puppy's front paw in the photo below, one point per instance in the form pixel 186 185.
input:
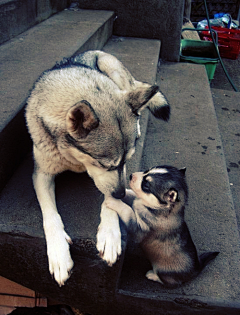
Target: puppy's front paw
pixel 59 258
pixel 109 243
pixel 113 203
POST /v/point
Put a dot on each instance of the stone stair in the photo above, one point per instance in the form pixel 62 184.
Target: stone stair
pixel 227 106
pixel 19 16
pixel 190 139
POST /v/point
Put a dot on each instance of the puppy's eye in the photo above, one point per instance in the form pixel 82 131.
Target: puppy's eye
pixel 145 186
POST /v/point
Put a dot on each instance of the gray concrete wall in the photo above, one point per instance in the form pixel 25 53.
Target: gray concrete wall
pixel 156 19
pixel 16 16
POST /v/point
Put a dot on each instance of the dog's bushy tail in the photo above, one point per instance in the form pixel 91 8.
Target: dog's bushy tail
pixel 159 107
pixel 205 258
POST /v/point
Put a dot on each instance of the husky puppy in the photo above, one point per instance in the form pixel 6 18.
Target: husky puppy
pixel 153 212
pixel 83 115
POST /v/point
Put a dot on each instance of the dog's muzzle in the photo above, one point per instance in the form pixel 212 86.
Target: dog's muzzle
pixel 119 191
pixel 119 194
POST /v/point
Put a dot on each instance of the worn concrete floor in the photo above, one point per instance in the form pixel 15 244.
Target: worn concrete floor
pixel 227 106
pixel 220 80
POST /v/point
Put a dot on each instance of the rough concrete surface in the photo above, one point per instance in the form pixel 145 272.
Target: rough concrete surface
pixel 18 16
pixel 146 19
pixel 227 106
pixel 220 80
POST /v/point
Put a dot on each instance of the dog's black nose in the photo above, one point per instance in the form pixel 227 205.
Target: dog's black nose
pixel 119 194
pixel 130 177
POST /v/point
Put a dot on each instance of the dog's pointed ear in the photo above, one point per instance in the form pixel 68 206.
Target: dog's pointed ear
pixel 139 97
pixel 183 170
pixel 81 119
pixel 171 196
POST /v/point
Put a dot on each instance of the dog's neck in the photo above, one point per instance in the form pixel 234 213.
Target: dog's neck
pixel 153 211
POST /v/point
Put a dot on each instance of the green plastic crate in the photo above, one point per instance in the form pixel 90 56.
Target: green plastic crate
pixel 201 52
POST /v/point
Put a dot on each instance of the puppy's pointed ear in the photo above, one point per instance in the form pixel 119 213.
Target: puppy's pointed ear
pixel 183 170
pixel 171 196
pixel 139 97
pixel 81 119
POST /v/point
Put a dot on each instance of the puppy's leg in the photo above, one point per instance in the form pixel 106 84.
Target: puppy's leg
pixel 59 259
pixel 109 235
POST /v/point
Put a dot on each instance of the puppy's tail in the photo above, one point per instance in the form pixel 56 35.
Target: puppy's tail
pixel 205 258
pixel 159 107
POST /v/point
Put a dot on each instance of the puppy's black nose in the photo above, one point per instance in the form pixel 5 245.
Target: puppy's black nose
pixel 119 194
pixel 130 177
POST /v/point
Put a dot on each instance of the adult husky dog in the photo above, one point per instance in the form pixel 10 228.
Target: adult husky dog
pixel 83 115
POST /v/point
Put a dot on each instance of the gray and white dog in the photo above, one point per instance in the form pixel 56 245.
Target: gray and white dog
pixel 83 115
pixel 153 212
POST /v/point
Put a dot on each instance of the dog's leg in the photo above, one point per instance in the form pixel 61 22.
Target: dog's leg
pixel 59 259
pixel 109 235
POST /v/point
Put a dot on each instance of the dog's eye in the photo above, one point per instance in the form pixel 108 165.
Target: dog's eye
pixel 145 186
pixel 104 166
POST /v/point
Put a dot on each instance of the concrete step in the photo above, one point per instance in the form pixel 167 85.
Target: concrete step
pixel 93 284
pixel 227 106
pixel 25 57
pixel 18 16
pixel 191 139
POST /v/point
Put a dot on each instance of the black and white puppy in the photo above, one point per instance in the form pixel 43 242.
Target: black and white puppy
pixel 153 212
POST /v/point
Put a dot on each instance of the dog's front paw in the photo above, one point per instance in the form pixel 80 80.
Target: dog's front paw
pixel 59 258
pixel 109 243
